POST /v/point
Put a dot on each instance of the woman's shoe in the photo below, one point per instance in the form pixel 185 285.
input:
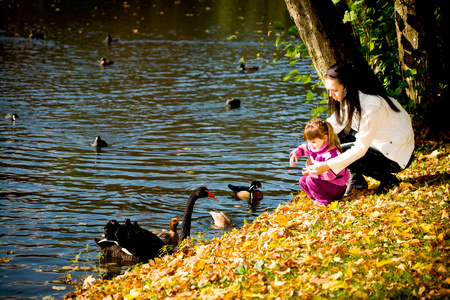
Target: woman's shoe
pixel 356 182
pixel 388 184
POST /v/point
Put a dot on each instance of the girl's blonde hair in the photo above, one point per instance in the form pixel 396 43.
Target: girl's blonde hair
pixel 318 128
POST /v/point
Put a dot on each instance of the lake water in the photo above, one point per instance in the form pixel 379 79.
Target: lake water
pixel 160 106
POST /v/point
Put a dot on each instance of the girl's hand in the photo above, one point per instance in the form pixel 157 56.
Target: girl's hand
pixel 293 160
pixel 317 168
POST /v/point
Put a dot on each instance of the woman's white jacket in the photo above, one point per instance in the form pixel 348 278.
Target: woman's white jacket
pixel 380 127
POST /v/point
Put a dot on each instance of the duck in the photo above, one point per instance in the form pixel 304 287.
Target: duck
pixel 220 219
pixel 110 39
pixel 12 116
pixel 243 67
pixel 249 193
pixel 99 143
pixel 121 240
pixel 106 62
pixel 34 35
pixel 168 237
pixel 233 103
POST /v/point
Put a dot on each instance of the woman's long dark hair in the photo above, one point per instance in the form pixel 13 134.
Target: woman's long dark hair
pixel 346 75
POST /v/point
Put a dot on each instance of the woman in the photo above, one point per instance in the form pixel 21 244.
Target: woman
pixel 377 128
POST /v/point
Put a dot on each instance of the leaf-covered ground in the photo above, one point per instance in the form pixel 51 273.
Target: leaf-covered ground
pixel 364 247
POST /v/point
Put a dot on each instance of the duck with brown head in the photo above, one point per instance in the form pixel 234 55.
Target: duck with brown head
pixel 169 237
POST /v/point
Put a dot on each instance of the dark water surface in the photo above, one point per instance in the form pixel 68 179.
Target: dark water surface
pixel 161 107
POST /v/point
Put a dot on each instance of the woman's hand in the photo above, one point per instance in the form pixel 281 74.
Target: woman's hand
pixel 317 168
pixel 293 160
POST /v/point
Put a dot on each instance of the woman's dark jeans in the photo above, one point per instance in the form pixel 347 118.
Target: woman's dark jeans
pixel 373 160
pixel 373 163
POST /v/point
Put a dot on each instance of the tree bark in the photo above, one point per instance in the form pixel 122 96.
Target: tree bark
pixel 327 39
pixel 417 43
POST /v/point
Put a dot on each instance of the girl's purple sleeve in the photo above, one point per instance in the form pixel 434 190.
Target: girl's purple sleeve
pixel 300 151
pixel 328 175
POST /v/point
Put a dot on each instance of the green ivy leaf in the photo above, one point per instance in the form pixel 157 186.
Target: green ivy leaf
pixel 297 78
pixel 293 30
pixel 287 46
pixel 410 73
pixel 307 78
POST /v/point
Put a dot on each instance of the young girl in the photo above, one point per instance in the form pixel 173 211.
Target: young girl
pixel 321 146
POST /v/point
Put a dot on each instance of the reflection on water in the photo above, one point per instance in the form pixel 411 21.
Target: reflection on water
pixel 161 108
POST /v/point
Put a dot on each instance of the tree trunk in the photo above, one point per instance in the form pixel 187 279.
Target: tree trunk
pixel 423 44
pixel 443 31
pixel 327 39
pixel 417 43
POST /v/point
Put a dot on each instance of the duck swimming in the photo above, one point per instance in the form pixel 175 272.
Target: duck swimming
pixel 243 68
pixel 168 237
pixel 12 116
pixel 34 35
pixel 220 219
pixel 106 62
pixel 233 103
pixel 110 39
pixel 99 143
pixel 248 193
